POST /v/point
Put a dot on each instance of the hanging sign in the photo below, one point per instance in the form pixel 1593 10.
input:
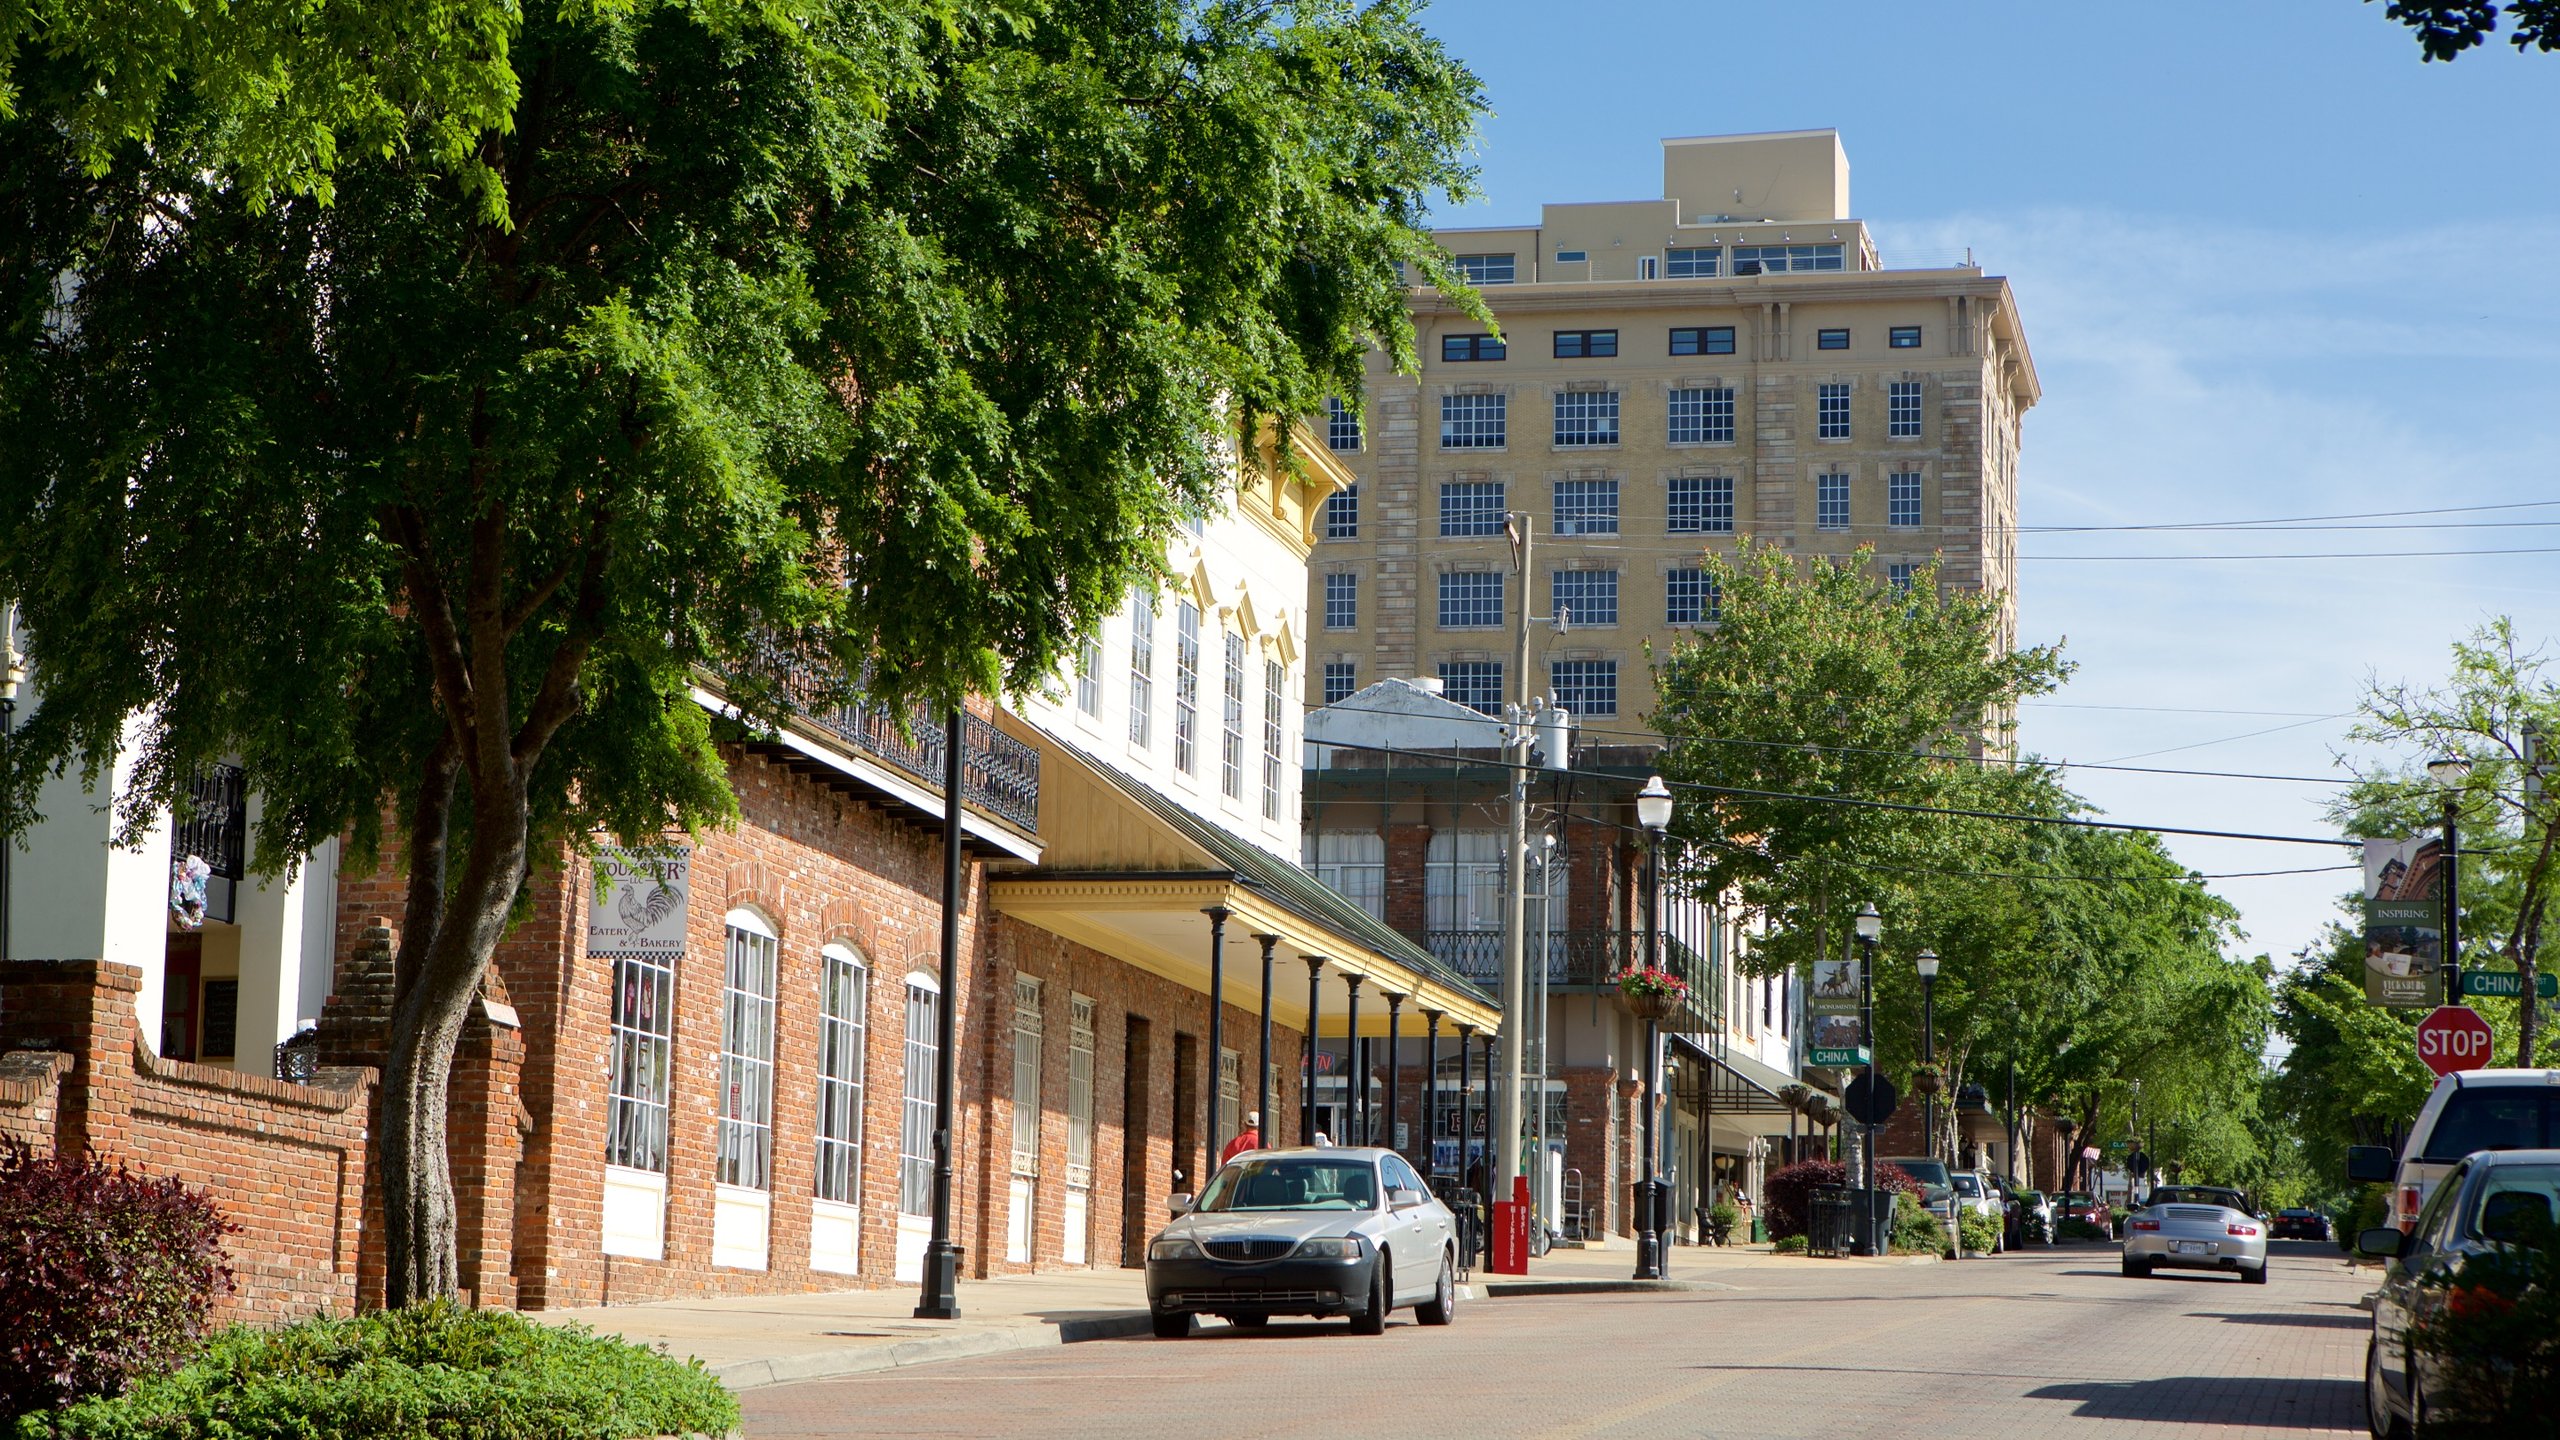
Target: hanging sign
pixel 639 909
pixel 1832 1002
pixel 2404 923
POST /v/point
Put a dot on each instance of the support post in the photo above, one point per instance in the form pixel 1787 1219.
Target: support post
pixel 1395 1065
pixel 1430 1089
pixel 1217 1030
pixel 1315 1007
pixel 941 1297
pixel 1266 1124
pixel 1356 1084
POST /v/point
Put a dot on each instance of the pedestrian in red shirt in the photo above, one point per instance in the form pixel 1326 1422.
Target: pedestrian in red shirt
pixel 1250 1138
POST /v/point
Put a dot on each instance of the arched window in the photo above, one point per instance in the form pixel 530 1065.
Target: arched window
pixel 844 1007
pixel 745 1156
pixel 920 1113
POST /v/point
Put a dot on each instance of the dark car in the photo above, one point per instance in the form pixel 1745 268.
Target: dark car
pixel 2488 1199
pixel 2298 1222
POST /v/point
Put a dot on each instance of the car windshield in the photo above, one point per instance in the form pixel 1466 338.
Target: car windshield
pixel 1969 1187
pixel 2199 1195
pixel 1927 1172
pixel 2513 1199
pixel 1293 1183
pixel 2491 1117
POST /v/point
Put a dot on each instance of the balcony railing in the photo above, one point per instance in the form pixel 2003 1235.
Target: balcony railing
pixel 216 832
pixel 998 774
pixel 1590 959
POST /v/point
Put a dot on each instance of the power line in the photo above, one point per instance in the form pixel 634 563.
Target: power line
pixel 2321 555
pixel 2314 519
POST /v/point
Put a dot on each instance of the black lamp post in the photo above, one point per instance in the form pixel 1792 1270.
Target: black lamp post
pixel 1927 960
pixel 2450 772
pixel 941 1294
pixel 13 673
pixel 1653 811
pixel 1870 926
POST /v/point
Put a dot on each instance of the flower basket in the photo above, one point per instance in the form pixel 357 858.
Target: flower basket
pixel 1652 994
pixel 1928 1079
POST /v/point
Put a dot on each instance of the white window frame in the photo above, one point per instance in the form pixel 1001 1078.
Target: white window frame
pixel 844 1035
pixel 1342 513
pixel 1903 500
pixel 1230 1094
pixel 1488 269
pixel 1275 681
pixel 1471 509
pixel 1142 668
pixel 1462 880
pixel 1352 863
pixel 919 1108
pixel 749 994
pixel 1471 600
pixel 1080 1075
pixel 1341 427
pixel 1231 734
pixel 1460 679
pixel 1693 262
pixel 1186 687
pixel 1593 690
pixel 1345 673
pixel 1704 605
pixel 1342 600
pixel 1586 507
pixel 642 1039
pixel 1028 1028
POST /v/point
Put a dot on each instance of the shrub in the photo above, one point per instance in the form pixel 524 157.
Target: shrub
pixel 106 1276
pixel 435 1370
pixel 2495 1340
pixel 2371 1211
pixel 1981 1232
pixel 1789 1245
pixel 2076 1228
pixel 1787 1195
pixel 1727 1219
pixel 1915 1230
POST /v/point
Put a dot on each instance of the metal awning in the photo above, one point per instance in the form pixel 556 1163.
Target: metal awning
pixel 1711 1085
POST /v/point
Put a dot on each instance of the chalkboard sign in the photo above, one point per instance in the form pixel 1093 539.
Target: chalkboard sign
pixel 221 1017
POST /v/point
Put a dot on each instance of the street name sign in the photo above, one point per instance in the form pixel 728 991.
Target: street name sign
pixel 2507 983
pixel 1839 1056
pixel 2453 1037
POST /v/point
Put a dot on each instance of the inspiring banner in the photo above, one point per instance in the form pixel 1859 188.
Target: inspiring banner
pixel 2404 923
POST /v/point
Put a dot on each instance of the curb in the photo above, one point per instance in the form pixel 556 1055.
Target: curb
pixel 1501 1288
pixel 926 1350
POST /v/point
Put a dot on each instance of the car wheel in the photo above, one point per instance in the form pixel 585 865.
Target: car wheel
pixel 1373 1321
pixel 2257 1276
pixel 2379 1417
pixel 2138 1269
pixel 1173 1327
pixel 1442 1307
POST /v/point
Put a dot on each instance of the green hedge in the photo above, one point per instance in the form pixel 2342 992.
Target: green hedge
pixel 2076 1228
pixel 1915 1230
pixel 436 1370
pixel 1981 1232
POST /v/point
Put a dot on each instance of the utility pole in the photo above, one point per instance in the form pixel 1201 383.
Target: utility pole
pixel 2529 934
pixel 1504 1133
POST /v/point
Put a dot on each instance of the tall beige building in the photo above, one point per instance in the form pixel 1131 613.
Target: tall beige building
pixel 1735 359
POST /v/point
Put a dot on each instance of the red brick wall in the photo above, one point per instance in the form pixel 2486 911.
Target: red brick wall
pixel 1408 862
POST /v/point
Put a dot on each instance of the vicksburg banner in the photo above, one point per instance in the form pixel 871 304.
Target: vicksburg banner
pixel 2404 923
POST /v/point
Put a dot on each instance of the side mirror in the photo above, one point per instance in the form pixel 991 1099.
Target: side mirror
pixel 2372 1164
pixel 2386 1242
pixel 1399 1198
pixel 1180 1206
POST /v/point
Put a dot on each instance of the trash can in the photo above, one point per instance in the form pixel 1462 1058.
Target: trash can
pixel 1830 1222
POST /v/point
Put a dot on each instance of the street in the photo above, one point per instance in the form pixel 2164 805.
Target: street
pixel 2038 1343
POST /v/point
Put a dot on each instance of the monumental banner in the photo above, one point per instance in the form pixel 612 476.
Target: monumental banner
pixel 639 908
pixel 2403 923
pixel 1833 1003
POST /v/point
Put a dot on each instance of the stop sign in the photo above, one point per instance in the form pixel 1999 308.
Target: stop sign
pixel 2453 1037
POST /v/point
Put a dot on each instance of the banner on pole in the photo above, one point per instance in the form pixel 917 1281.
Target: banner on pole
pixel 2404 923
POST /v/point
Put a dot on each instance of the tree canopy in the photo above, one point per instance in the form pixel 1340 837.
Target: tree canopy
pixel 2446 28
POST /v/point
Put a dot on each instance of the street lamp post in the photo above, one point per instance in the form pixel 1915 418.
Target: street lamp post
pixel 1928 963
pixel 2450 772
pixel 13 673
pixel 1870 926
pixel 940 1297
pixel 1653 812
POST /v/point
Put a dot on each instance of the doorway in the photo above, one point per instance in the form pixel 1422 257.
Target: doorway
pixel 1186 1112
pixel 1136 1130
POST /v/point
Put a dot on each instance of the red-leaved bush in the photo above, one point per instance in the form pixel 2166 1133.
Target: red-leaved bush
pixel 105 1277
pixel 1787 1195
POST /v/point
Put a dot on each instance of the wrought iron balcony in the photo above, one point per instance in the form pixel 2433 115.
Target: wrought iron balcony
pixel 999 775
pixel 216 831
pixel 1584 960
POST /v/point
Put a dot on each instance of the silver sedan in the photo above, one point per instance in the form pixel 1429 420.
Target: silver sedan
pixel 2179 1235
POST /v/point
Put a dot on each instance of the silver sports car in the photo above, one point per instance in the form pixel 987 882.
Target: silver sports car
pixel 2182 1234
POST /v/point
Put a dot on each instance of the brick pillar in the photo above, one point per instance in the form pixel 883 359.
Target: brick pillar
pixel 1408 859
pixel 83 1009
pixel 355 1029
pixel 484 1143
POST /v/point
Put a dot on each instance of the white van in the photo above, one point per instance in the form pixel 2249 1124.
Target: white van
pixel 2471 1110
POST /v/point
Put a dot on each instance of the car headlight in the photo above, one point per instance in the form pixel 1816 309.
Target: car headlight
pixel 1331 1247
pixel 1173 1248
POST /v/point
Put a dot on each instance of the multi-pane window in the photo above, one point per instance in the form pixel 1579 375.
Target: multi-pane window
pixel 1341 601
pixel 1585 687
pixel 1830 339
pixel 1273 680
pixel 1898 574
pixel 643 1030
pixel 745 1146
pixel 918 1112
pixel 1470 508
pixel 1341 426
pixel 1230 1094
pixel 1902 500
pixel 1487 269
pixel 1476 684
pixel 1701 505
pixel 1462 880
pixel 1186 686
pixel 1702 340
pixel 1342 513
pixel 1831 413
pixel 1780 259
pixel 1903 337
pixel 1353 864
pixel 1692 596
pixel 1590 595
pixel 844 1008
pixel 1027 1029
pixel 1089 675
pixel 1080 1092
pixel 1340 679
pixel 1586 507
pixel 1586 344
pixel 1142 668
pixel 1231 740
pixel 1902 410
pixel 1464 348
pixel 1692 262
pixel 1470 599
pixel 1474 422
pixel 1831 502
pixel 1702 416
pixel 1587 417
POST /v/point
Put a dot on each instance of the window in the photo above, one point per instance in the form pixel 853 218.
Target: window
pixel 1702 340
pixel 1702 417
pixel 1470 599
pixel 1780 259
pixel 1342 513
pixel 1487 269
pixel 643 1030
pixel 1572 257
pixel 1693 262
pixel 1341 602
pixel 1830 339
pixel 1470 508
pixel 745 1150
pixel 1898 574
pixel 1648 267
pixel 1079 1092
pixel 1586 507
pixel 1586 344
pixel 1902 413
pixel 1586 687
pixel 1274 680
pixel 1186 686
pixel 1230 1094
pixel 844 1008
pixel 1902 501
pixel 1476 684
pixel 1587 417
pixel 1465 348
pixel 1473 422
pixel 1026 1075
pixel 1339 680
pixel 1701 504
pixel 1903 337
pixel 1462 880
pixel 1592 595
pixel 1831 503
pixel 918 1114
pixel 1693 597
pixel 1341 426
pixel 1142 668
pixel 1089 675
pixel 1353 864
pixel 1831 414
pixel 1231 738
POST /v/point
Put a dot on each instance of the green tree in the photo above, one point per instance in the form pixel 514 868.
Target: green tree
pixel 2446 28
pixel 799 347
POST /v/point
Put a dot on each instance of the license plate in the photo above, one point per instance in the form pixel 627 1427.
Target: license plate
pixel 2191 1247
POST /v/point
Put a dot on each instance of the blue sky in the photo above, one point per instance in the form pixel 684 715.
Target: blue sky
pixel 2270 264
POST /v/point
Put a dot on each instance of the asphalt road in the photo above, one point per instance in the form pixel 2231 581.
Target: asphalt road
pixel 2045 1343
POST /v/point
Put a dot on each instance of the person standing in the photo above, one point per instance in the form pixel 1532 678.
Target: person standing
pixel 1249 1138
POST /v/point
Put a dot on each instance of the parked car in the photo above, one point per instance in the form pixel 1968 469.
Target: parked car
pixel 1937 1185
pixel 2490 1198
pixel 2469 1111
pixel 1975 1194
pixel 2080 1205
pixel 2179 1234
pixel 1337 1230
pixel 2300 1222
